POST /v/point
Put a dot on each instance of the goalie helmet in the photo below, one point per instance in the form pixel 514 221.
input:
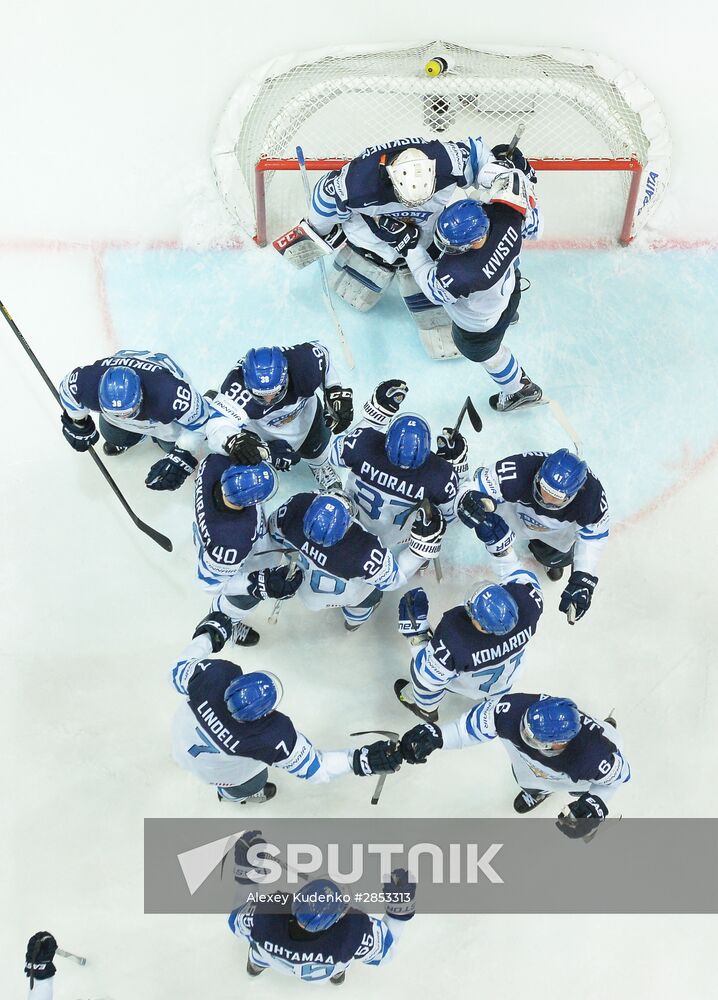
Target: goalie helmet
pixel 408 441
pixel 319 905
pixel 247 485
pixel 120 393
pixel 266 373
pixel 328 518
pixel 492 608
pixel 559 479
pixel 549 721
pixel 460 226
pixel 254 695
pixel 413 177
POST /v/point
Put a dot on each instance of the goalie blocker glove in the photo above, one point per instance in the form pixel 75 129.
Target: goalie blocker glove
pixel 79 434
pixel 517 160
pixel 340 404
pixel 170 472
pixel 419 743
pixel 579 592
pixel 583 817
pixel 274 584
pixel 427 532
pixel 385 401
pixel 382 757
pixel 414 616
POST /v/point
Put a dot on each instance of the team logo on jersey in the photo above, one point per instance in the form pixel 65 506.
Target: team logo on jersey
pixel 531 522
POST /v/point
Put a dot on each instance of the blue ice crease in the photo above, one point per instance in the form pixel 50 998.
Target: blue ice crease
pixel 623 338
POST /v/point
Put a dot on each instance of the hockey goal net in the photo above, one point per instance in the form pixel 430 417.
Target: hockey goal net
pixel 591 129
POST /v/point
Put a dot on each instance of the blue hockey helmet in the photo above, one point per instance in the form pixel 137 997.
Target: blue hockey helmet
pixel 408 441
pixel 120 392
pixel 550 721
pixel 319 905
pixel 253 695
pixel 460 225
pixel 559 479
pixel 247 485
pixel 492 608
pixel 328 518
pixel 266 373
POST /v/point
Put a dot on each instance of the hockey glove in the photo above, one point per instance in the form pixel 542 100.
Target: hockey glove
pixel 246 873
pixel 385 401
pixel 246 448
pixel 382 757
pixel 79 434
pixel 400 894
pixel 275 584
pixel 474 507
pixel 414 615
pixel 402 236
pixel 496 535
pixel 452 447
pixel 426 533
pixel 341 408
pixel 170 472
pixel 419 743
pixel 579 592
pixel 583 816
pixel 517 160
pixel 40 952
pixel 218 627
pixel 281 455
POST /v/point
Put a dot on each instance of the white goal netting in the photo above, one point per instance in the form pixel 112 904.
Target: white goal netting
pixel 594 131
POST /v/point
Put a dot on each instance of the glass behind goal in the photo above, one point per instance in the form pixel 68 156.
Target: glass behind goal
pixel 593 131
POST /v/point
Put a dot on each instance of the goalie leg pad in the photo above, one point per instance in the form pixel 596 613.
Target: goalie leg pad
pixel 432 321
pixel 359 278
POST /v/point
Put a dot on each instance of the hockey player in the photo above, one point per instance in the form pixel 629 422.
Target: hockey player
pixel 555 501
pixel 345 566
pixel 228 731
pixel 137 394
pixel 472 270
pixel 273 393
pixel 392 468
pixel 321 935
pixel 551 744
pixel 236 559
pixel 405 179
pixel 478 648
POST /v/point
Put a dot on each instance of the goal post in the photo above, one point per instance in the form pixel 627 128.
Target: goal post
pixel 593 132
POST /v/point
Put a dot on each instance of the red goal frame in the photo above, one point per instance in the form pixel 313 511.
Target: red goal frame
pixel 631 165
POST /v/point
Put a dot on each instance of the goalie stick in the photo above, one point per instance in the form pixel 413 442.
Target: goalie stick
pixel 389 735
pixel 322 269
pixel 155 535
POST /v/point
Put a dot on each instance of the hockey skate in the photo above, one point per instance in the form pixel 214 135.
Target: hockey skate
pixel 339 978
pixel 554 573
pixel 263 795
pixel 113 449
pixel 326 477
pixel 244 635
pixel 252 969
pixel 528 394
pixel 422 713
pixel 528 799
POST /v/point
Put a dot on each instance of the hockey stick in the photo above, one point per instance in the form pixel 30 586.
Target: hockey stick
pixel 156 536
pixel 474 418
pixel 382 777
pixel 515 141
pixel 322 269
pixel 73 958
pixel 293 563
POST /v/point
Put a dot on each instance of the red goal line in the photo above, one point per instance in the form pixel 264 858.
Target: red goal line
pixel 633 166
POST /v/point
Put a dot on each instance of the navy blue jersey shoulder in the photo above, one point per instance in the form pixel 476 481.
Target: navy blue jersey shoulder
pixel 468 649
pixel 340 943
pixel 228 529
pixel 259 740
pixel 364 452
pixel 516 474
pixel 368 183
pixel 344 560
pixel 306 366
pixel 476 270
pixel 582 758
pixel 159 388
